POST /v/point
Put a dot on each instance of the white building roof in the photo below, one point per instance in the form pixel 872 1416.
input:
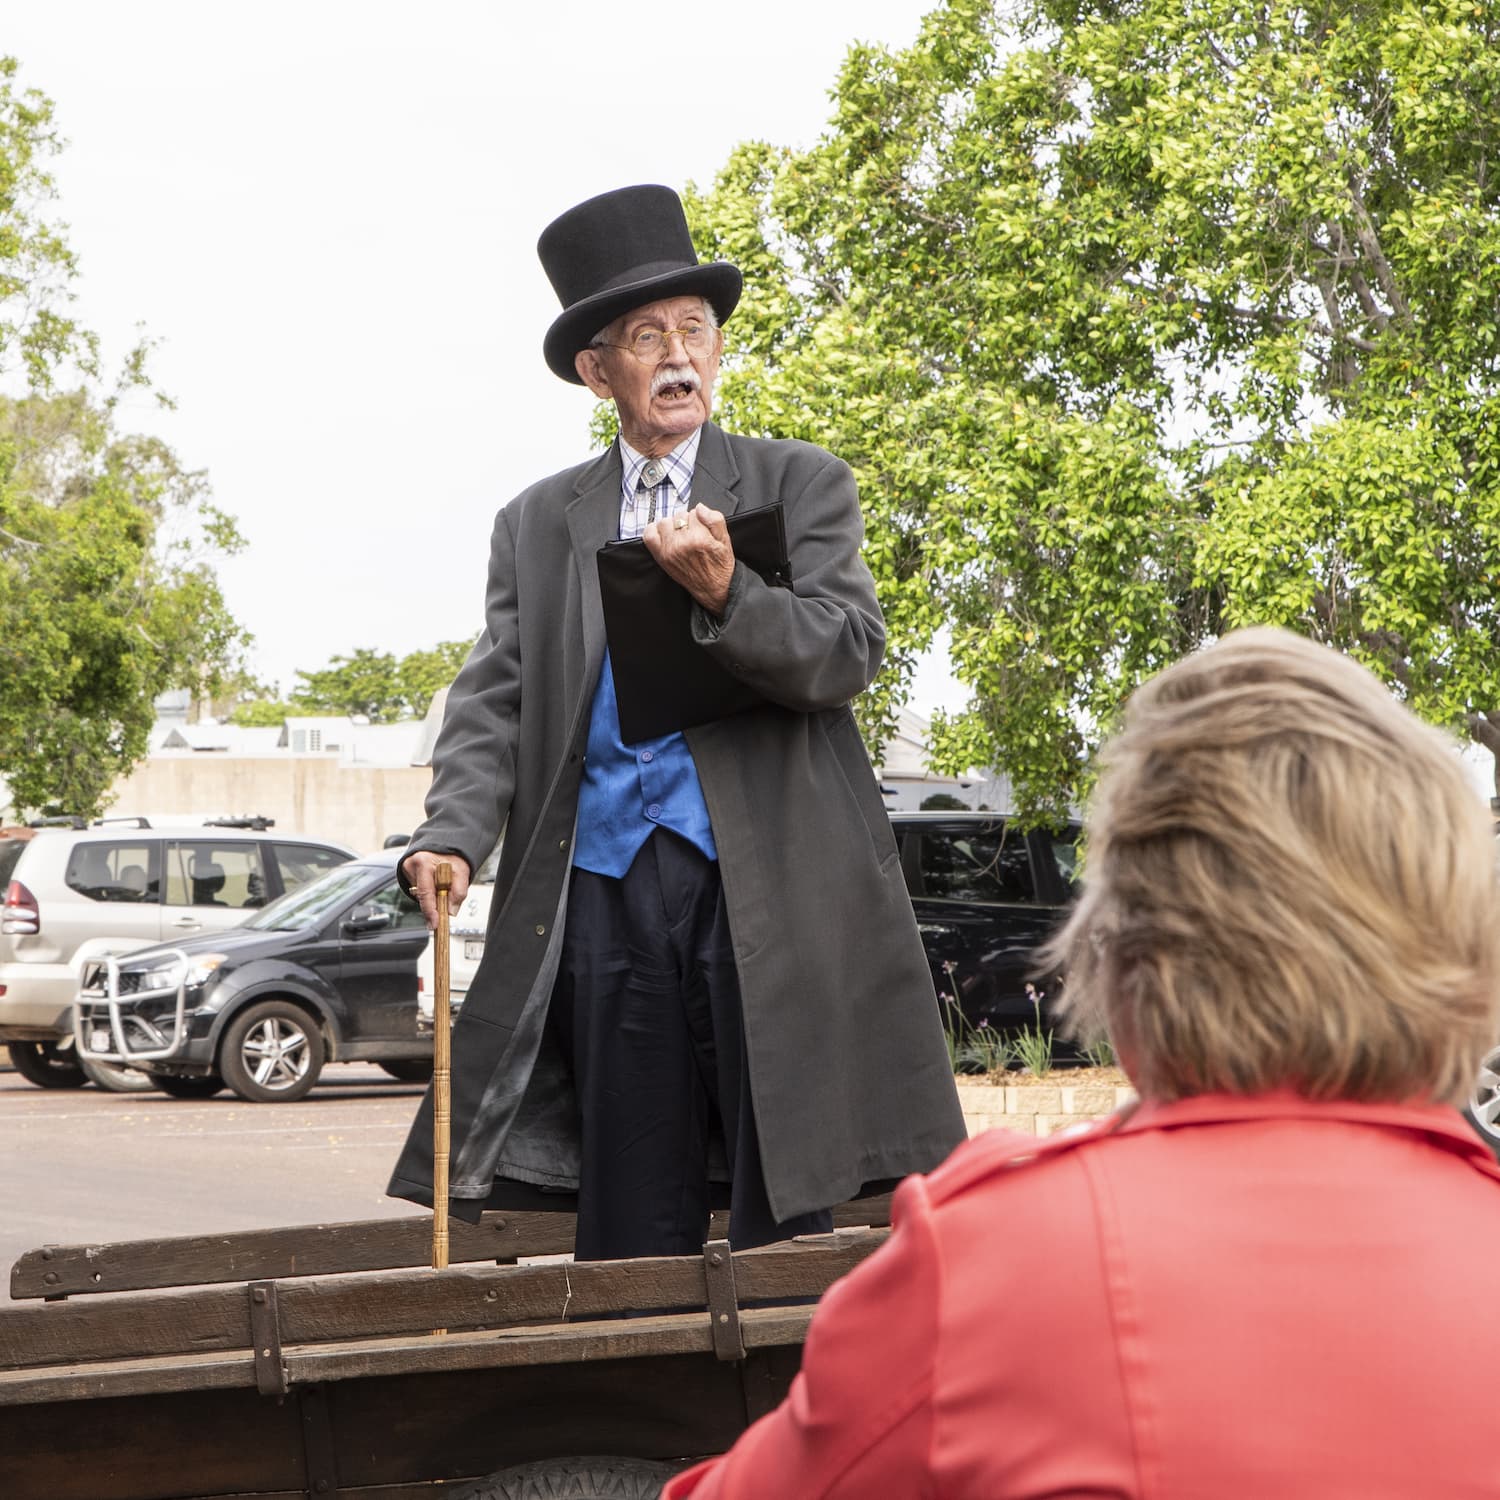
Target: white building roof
pixel 354 742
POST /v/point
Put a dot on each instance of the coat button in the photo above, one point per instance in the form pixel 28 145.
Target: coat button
pixel 654 811
pixel 562 843
pixel 540 930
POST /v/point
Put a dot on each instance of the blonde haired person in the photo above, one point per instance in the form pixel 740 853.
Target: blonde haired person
pixel 1275 1276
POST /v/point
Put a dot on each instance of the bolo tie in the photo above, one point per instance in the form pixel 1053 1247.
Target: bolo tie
pixel 654 472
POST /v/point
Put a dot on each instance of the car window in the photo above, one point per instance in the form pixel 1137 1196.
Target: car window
pixel 404 911
pixel 10 857
pixel 485 874
pixel 973 865
pixel 312 904
pixel 114 872
pixel 300 863
pixel 1063 847
pixel 215 874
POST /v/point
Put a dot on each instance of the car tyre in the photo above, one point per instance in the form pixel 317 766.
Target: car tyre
pixel 409 1069
pixel 180 1086
pixel 1483 1112
pixel 272 1053
pixel 49 1065
pixel 115 1078
pixel 577 1478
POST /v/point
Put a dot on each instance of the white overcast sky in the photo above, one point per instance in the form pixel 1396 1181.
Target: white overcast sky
pixel 327 213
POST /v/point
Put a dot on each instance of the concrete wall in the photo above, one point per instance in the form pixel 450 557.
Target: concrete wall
pixel 356 805
pixel 353 805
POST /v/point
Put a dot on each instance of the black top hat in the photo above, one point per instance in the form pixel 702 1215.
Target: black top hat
pixel 613 253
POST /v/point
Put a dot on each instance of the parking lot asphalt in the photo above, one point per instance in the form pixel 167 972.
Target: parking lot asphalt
pixel 84 1166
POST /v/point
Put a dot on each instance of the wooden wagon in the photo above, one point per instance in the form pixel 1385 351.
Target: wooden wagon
pixel 325 1362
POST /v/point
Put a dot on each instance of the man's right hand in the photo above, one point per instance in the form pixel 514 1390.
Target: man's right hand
pixel 421 871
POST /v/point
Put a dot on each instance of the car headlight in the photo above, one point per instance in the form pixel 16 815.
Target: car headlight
pixel 168 976
pixel 202 968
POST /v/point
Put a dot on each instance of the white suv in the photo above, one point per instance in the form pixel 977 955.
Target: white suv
pixel 466 930
pixel 70 896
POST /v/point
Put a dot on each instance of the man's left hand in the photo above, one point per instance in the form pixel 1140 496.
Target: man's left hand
pixel 694 549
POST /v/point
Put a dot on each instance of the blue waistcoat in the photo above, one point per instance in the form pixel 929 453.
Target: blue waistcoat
pixel 628 791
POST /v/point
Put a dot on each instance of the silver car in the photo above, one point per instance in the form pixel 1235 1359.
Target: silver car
pixel 73 896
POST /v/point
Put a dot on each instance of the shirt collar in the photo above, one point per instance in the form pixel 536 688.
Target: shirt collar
pixel 680 462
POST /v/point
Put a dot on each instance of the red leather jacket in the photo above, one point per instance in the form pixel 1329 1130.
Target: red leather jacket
pixel 1220 1297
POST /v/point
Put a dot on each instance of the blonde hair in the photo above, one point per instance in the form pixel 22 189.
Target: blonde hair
pixel 1289 884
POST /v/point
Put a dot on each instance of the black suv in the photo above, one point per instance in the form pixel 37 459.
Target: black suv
pixel 328 973
pixel 985 898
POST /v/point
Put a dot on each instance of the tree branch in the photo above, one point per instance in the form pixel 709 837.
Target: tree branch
pixel 1486 732
pixel 1369 242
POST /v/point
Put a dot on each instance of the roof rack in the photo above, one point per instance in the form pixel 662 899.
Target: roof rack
pixel 62 820
pixel 255 822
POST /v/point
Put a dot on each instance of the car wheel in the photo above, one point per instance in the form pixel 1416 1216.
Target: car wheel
pixel 178 1086
pixel 409 1069
pixel 49 1065
pixel 577 1478
pixel 115 1078
pixel 272 1053
pixel 1483 1112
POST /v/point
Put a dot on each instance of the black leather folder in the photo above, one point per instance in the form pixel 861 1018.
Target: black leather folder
pixel 664 680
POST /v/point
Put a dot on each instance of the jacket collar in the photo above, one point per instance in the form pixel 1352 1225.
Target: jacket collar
pixel 1443 1126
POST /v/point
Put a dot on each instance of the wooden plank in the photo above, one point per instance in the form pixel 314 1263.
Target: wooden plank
pixel 379 1304
pixel 334 1329
pixel 388 1435
pixel 215 1319
pixel 166 1374
pixel 626 1338
pixel 275 1254
pixel 192 1443
pixel 570 1343
pixel 474 1422
pixel 318 1250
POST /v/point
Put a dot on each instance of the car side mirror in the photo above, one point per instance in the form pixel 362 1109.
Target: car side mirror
pixel 365 919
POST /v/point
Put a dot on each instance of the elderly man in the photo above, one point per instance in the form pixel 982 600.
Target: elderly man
pixel 702 966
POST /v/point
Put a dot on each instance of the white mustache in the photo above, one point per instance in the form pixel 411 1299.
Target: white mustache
pixel 675 375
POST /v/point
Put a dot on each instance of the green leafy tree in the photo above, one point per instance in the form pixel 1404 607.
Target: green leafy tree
pixel 366 683
pixel 1139 322
pixel 107 593
pixel 260 713
pixel 37 337
pixel 107 597
pixel 423 674
pixel 377 685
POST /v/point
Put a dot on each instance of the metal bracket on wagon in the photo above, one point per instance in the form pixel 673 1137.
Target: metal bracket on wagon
pixel 265 1331
pixel 723 1308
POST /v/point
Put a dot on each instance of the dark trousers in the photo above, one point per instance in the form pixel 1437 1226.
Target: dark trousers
pixel 647 1006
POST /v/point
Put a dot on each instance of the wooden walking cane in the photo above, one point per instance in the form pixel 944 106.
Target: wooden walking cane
pixel 441 1080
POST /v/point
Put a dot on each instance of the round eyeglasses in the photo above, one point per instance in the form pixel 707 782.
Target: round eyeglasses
pixel 651 345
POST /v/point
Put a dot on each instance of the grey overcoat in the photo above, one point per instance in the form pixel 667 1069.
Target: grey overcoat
pixel 848 1071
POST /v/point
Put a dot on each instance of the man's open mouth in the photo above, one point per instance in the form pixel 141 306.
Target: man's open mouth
pixel 679 390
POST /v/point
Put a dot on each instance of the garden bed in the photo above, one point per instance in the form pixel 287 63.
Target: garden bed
pixel 1039 1105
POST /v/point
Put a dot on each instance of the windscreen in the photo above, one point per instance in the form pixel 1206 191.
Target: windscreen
pixel 312 905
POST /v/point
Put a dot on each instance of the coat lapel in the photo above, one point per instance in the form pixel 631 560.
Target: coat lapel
pixel 716 475
pixel 593 520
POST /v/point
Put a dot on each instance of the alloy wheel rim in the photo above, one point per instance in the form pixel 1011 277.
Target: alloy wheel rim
pixel 275 1052
pixel 1484 1103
